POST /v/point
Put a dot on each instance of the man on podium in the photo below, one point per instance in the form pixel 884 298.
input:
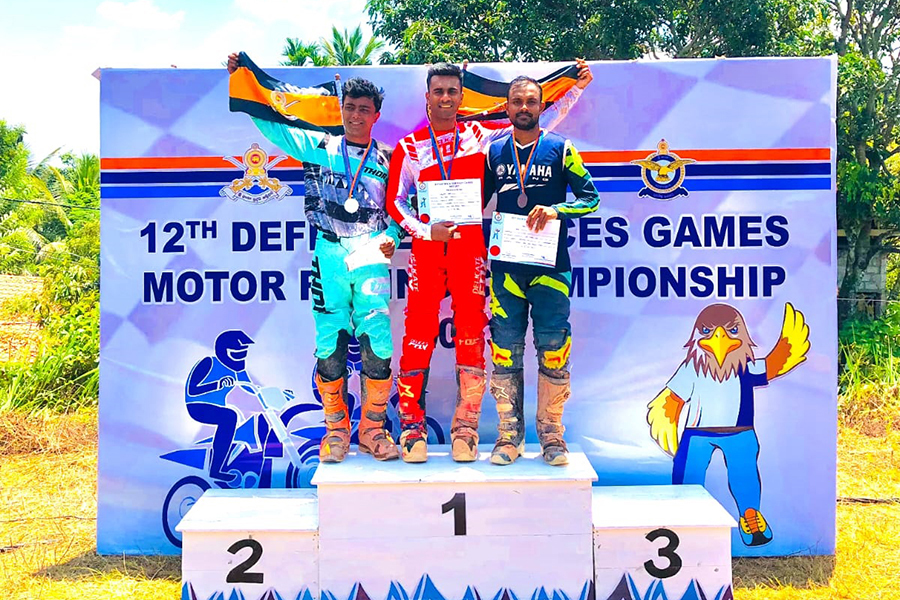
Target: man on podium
pixel 530 170
pixel 447 255
pixel 345 177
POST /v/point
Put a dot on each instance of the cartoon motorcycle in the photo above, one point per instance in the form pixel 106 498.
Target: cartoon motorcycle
pixel 263 443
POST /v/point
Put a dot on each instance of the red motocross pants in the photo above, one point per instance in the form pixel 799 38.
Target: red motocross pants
pixel 435 268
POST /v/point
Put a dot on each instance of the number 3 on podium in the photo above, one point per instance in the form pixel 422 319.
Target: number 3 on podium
pixel 667 552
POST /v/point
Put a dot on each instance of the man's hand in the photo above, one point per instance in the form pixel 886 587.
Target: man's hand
pixel 539 217
pixel 387 248
pixel 584 73
pixel 232 62
pixel 226 382
pixel 443 232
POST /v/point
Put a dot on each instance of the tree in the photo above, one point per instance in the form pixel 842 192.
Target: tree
pixel 868 44
pixel 347 48
pixel 483 30
pixel 300 54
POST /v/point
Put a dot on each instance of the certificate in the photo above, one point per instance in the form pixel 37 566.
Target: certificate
pixel 368 254
pixel 456 200
pixel 513 241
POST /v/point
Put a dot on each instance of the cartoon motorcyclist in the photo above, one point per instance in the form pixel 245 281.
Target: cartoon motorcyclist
pixel 207 387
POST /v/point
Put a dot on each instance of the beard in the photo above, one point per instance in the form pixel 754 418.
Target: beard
pixel 525 124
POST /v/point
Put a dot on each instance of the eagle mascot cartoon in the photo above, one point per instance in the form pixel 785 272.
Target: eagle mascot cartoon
pixel 708 405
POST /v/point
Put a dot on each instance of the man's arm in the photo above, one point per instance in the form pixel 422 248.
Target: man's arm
pixel 490 181
pixel 587 198
pixel 401 177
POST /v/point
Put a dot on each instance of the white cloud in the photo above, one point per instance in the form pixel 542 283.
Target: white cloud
pixel 308 20
pixel 139 14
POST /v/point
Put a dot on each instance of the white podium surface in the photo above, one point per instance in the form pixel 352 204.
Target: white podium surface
pixel 655 540
pixel 253 542
pixel 455 528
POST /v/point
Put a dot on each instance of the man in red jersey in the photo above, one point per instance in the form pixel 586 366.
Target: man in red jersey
pixel 446 256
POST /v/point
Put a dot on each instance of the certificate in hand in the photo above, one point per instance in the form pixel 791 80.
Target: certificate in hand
pixel 456 200
pixel 513 241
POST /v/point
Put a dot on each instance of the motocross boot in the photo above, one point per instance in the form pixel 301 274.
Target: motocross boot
pixel 336 442
pixel 552 395
pixel 508 390
pixel 464 427
pixel 373 438
pixel 413 432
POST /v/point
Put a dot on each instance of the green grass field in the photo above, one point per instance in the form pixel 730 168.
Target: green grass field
pixel 48 508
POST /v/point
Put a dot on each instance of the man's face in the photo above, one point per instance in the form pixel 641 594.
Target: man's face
pixel 359 116
pixel 444 96
pixel 524 105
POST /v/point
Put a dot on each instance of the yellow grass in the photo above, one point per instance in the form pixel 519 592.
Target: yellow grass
pixel 48 505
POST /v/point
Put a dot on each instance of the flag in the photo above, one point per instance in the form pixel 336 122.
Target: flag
pixel 485 99
pixel 251 90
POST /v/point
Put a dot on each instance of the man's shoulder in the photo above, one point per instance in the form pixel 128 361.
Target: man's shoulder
pixel 496 147
pixel 554 139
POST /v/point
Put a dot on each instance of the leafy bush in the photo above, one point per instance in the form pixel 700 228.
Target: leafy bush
pixel 869 383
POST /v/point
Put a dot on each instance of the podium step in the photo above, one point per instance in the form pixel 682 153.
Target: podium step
pixel 251 544
pixel 668 541
pixel 449 531
pixel 455 528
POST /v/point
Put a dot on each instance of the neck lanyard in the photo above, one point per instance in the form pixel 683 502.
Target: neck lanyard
pixel 445 173
pixel 351 204
pixel 522 177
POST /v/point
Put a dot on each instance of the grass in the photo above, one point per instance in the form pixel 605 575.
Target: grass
pixel 48 508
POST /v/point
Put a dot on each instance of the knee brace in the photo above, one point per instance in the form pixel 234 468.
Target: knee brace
pixel 334 367
pixel 373 366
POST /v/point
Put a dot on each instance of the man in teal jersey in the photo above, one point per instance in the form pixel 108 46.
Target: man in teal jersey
pixel 530 170
pixel 345 177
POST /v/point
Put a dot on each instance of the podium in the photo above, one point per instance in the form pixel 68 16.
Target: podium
pixel 443 530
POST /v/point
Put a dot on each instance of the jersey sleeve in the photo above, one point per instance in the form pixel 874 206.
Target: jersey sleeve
pixel 756 372
pixel 301 144
pixel 682 382
pixel 401 177
pixel 489 186
pixel 586 198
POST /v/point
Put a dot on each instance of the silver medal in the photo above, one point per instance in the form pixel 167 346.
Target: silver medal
pixel 522 200
pixel 351 204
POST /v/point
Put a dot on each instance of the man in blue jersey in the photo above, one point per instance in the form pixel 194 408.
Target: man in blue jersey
pixel 530 170
pixel 346 177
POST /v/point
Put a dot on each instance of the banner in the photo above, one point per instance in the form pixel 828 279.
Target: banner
pixel 716 237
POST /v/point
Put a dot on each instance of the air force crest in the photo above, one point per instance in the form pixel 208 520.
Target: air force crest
pixel 255 166
pixel 663 173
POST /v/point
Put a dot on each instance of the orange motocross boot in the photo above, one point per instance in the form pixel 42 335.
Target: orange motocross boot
pixel 336 442
pixel 373 438
pixel 464 427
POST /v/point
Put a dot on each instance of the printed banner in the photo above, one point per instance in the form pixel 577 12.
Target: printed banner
pixel 703 293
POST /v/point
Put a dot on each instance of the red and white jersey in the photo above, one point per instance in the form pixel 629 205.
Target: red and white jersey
pixel 414 159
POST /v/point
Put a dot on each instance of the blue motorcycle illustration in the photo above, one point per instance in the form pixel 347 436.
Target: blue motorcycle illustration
pixel 271 448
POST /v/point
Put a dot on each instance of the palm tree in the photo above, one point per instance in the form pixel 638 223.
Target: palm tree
pixel 344 48
pixel 299 54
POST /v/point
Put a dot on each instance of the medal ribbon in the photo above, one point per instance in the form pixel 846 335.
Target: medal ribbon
pixel 445 173
pixel 347 164
pixel 520 178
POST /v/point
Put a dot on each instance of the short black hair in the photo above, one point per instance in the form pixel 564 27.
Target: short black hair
pixel 356 87
pixel 443 69
pixel 522 80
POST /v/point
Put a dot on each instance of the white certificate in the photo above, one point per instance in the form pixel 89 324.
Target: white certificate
pixel 368 254
pixel 513 241
pixel 456 200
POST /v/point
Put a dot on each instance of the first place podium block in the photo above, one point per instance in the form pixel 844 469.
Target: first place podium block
pixel 445 530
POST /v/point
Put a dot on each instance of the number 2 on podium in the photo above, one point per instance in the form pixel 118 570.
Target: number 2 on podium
pixel 458 505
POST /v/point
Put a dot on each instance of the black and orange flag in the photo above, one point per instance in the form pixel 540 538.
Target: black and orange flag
pixel 485 99
pixel 253 91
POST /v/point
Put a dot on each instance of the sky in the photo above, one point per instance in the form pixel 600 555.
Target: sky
pixel 51 48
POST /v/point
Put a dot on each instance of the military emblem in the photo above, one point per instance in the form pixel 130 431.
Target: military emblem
pixel 255 165
pixel 663 173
